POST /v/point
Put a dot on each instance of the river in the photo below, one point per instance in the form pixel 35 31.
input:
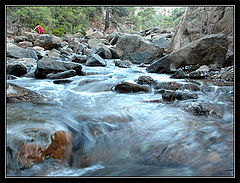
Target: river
pixel 137 137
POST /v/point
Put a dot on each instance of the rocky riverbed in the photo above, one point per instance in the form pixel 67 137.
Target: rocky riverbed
pixel 119 105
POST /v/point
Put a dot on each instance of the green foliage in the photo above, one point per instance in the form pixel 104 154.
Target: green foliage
pixel 60 19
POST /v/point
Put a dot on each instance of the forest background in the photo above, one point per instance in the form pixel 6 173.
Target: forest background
pixel 58 20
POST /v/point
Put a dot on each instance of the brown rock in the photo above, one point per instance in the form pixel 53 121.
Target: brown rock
pixel 30 154
pixel 126 87
pixel 60 147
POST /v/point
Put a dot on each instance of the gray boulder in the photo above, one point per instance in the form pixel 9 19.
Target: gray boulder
pixel 96 60
pixel 46 66
pixel 48 42
pixel 123 63
pixel 16 52
pixel 102 51
pixel 204 51
pixel 79 58
pixel 137 49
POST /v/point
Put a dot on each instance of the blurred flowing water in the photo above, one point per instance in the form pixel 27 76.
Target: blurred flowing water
pixel 135 137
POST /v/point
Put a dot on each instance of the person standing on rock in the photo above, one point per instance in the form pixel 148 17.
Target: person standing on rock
pixel 41 31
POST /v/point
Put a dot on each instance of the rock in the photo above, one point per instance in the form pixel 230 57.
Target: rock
pixel 191 87
pixel 114 53
pixel 18 39
pixel 96 34
pixel 225 74
pixel 229 60
pixel 168 86
pixel 179 74
pixel 96 60
pixel 48 42
pixel 17 93
pixel 142 65
pixel 25 44
pixel 94 42
pixel 16 69
pixel 137 49
pixel 33 53
pixel 123 63
pixel 30 154
pixel 31 36
pixel 11 77
pixel 169 95
pixel 207 109
pixel 79 58
pixel 68 37
pixel 46 66
pixel 80 48
pixel 203 68
pixel 60 147
pixel 185 95
pixel 61 75
pixel 102 51
pixel 161 42
pixel 14 51
pixel 146 80
pixel 62 81
pixel 126 87
pixel 204 51
pixel 198 22
pixel 197 75
pixel 29 63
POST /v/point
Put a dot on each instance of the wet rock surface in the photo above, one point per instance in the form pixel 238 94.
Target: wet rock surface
pixel 17 93
pixel 126 87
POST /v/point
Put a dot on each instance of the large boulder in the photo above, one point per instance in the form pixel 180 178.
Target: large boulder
pixel 198 22
pixel 101 50
pixel 48 42
pixel 17 93
pixel 46 66
pixel 204 51
pixel 16 52
pixel 18 69
pixel 137 49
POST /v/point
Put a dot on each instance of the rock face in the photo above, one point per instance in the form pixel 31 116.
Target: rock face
pixel 17 93
pixel 47 41
pixel 201 21
pixel 46 66
pixel 61 75
pixel 137 49
pixel 204 51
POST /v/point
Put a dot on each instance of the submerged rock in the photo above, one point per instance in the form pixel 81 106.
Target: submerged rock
pixel 123 63
pixel 201 108
pixel 60 147
pixel 146 80
pixel 168 86
pixel 179 95
pixel 126 87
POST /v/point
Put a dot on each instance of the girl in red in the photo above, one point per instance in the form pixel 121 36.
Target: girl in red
pixel 41 31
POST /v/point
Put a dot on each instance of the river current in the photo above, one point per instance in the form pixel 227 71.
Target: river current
pixel 138 137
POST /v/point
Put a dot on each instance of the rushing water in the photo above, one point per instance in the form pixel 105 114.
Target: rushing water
pixel 138 138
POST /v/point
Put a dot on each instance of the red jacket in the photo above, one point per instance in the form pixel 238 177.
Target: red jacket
pixel 40 29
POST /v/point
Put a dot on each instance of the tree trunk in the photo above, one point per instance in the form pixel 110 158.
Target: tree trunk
pixel 107 19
